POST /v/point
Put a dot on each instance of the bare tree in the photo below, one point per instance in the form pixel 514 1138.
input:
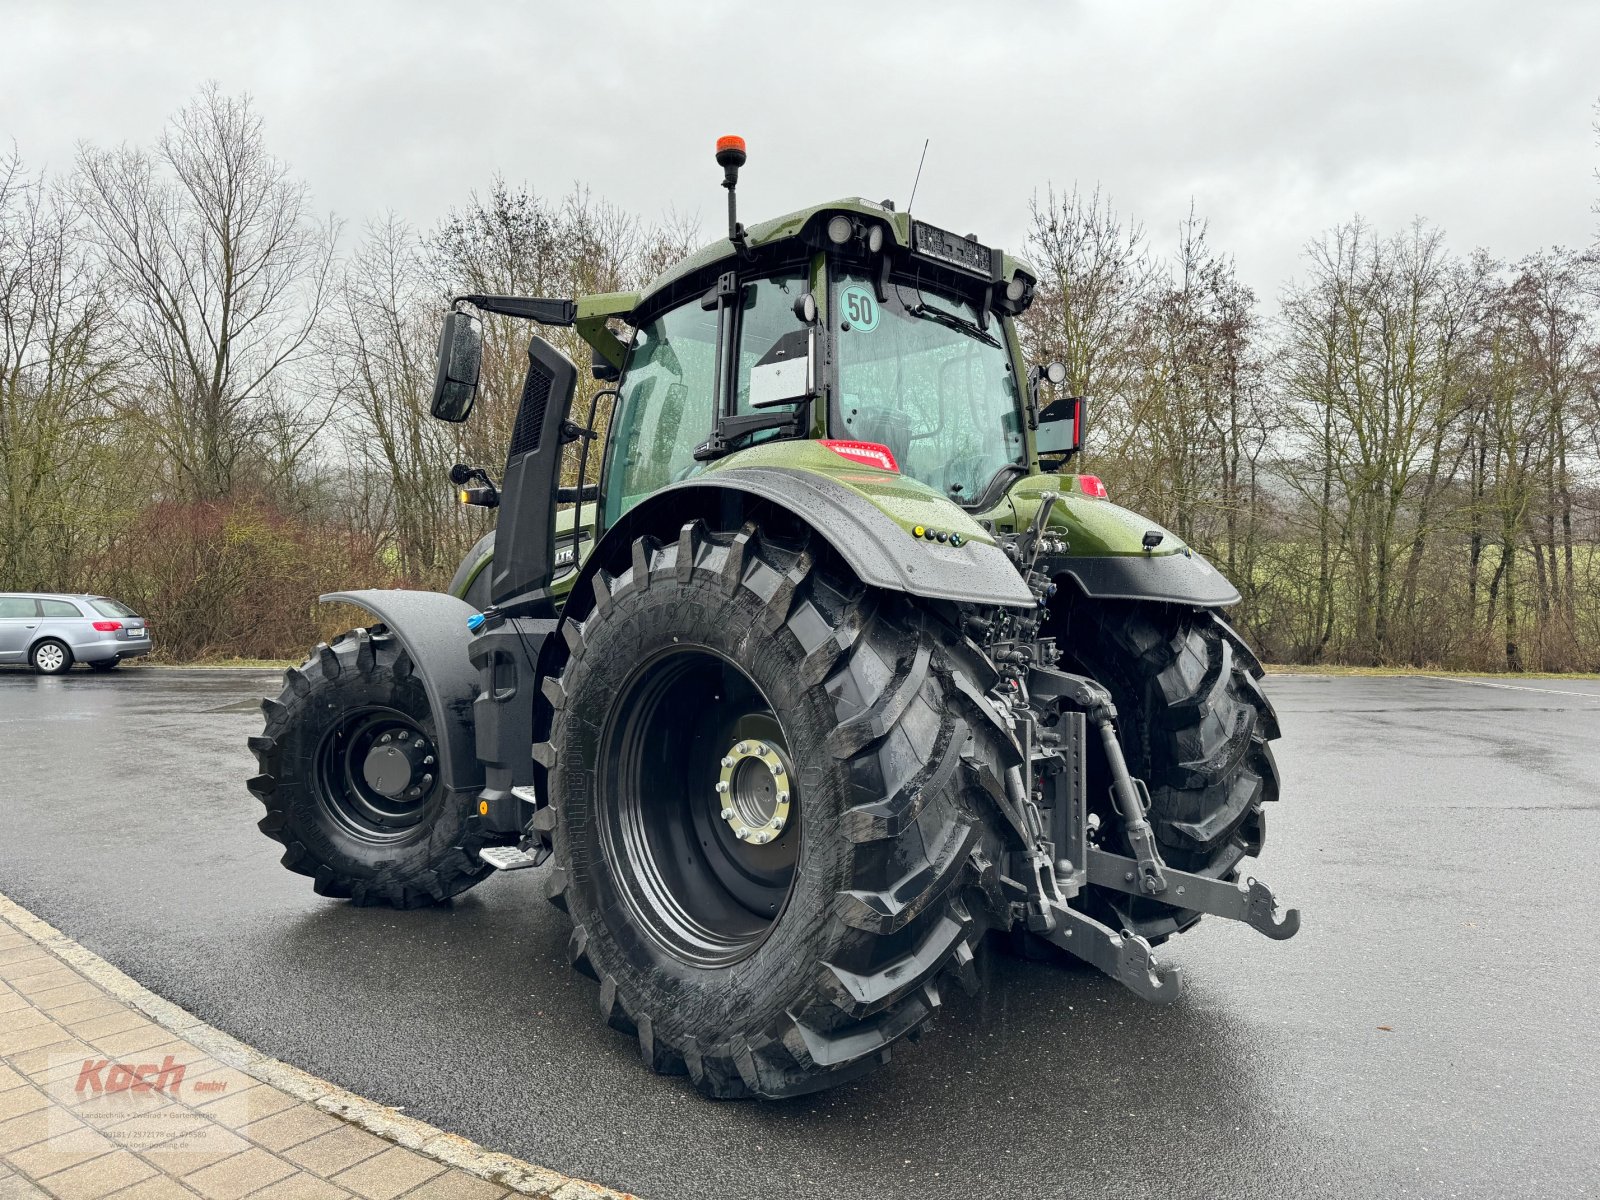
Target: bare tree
pixel 220 271
pixel 55 375
pixel 1095 271
pixel 381 338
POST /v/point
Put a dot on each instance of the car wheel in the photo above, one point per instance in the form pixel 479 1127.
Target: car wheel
pixel 106 664
pixel 51 657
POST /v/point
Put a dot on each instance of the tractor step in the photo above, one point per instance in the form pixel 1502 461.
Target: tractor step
pixel 507 858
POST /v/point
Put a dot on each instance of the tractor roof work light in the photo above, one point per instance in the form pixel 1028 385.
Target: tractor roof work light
pixel 1015 294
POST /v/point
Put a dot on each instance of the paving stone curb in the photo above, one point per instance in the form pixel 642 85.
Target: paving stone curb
pixel 447 1149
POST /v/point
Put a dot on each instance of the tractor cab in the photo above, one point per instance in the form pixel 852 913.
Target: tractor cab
pixel 885 338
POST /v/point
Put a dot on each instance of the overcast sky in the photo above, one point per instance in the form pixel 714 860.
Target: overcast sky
pixel 1280 118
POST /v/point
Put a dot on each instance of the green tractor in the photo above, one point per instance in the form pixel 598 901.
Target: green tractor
pixel 836 670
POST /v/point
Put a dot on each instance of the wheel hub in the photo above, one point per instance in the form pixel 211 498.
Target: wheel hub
pixel 397 765
pixel 753 790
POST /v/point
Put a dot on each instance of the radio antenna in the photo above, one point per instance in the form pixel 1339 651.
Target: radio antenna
pixel 918 179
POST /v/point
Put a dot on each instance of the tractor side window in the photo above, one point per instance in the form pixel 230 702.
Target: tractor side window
pixel 665 408
pixel 766 317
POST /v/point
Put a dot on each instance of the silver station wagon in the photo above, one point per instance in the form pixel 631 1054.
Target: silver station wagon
pixel 53 631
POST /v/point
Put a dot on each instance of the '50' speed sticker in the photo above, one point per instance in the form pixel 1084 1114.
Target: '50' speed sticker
pixel 860 308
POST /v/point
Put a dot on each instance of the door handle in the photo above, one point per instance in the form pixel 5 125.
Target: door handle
pixel 35 625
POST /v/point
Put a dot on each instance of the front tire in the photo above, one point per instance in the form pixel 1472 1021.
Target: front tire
pixel 51 657
pixel 790 965
pixel 346 781
pixel 1195 725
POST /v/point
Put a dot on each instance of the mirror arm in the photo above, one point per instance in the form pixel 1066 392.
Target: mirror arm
pixel 544 310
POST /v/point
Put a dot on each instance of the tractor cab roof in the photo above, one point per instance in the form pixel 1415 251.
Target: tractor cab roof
pixel 852 227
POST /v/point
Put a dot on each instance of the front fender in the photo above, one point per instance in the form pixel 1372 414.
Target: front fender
pixel 432 627
pixel 1105 554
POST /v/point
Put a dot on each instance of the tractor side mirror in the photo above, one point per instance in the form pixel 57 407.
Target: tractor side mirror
pixel 1061 427
pixel 455 384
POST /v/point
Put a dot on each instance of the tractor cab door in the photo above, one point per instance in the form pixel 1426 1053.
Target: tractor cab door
pixel 663 408
pixel 665 415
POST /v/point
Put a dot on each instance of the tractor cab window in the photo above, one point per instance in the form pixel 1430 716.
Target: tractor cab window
pixel 918 374
pixel 665 407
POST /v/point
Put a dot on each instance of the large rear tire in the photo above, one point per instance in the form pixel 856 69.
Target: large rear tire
pixel 346 783
pixel 1194 725
pixel 768 967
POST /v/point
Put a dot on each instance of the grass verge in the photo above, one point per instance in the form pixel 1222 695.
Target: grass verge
pixel 1380 672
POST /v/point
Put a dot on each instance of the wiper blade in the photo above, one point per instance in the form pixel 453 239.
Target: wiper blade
pixel 921 309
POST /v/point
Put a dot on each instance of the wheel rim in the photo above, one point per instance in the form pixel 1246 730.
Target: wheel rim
pixel 702 850
pixel 376 773
pixel 50 658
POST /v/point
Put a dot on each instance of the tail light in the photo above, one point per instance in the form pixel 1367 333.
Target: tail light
pixel 1093 487
pixel 870 454
pixel 108 626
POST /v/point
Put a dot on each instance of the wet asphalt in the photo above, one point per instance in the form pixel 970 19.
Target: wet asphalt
pixel 1432 1030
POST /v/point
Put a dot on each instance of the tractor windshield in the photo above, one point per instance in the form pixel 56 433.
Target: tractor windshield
pixel 918 374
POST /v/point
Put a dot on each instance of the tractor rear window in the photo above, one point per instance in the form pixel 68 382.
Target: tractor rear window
pixel 917 374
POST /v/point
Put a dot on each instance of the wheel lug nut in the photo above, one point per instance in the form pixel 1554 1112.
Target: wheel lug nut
pixel 777 768
pixel 741 834
pixel 727 762
pixel 383 739
pixel 742 748
pixel 783 797
pixel 403 735
pixel 428 762
pixel 722 785
pixel 776 824
pixel 727 814
pixel 763 838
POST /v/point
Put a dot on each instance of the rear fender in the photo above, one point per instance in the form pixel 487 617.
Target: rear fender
pixel 880 548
